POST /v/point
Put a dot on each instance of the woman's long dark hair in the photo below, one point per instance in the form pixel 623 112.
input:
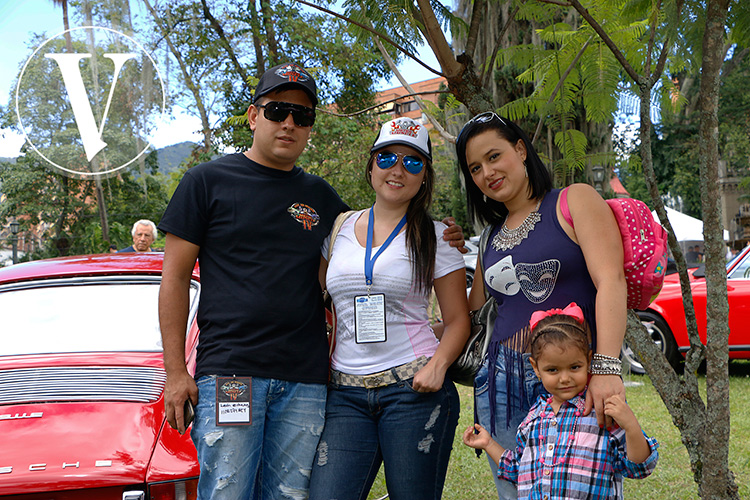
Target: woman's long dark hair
pixel 485 209
pixel 420 230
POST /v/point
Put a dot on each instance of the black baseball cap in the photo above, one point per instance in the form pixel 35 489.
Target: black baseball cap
pixel 287 75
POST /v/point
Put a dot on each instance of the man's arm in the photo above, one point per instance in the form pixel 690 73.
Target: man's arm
pixel 174 303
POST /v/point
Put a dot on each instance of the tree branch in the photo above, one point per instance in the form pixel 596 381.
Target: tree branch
pixel 191 85
pixel 560 84
pixel 375 106
pixel 448 137
pixel 266 14
pixel 224 41
pixel 374 32
pixel 487 70
pixel 638 79
pixel 436 39
pixel 561 3
pixel 476 17
pixel 651 38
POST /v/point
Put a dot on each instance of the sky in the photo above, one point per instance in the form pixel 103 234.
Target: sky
pixel 20 18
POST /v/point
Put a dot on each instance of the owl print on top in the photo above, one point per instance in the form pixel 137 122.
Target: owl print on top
pixel 536 281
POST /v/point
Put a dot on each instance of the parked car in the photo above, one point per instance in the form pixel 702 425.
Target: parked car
pixel 82 382
pixel 665 317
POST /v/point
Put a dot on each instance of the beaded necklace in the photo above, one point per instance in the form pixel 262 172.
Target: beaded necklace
pixel 543 438
pixel 506 239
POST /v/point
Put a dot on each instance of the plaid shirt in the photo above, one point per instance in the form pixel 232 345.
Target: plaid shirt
pixel 589 462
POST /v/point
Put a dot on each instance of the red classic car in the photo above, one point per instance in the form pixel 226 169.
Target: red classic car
pixel 665 317
pixel 82 381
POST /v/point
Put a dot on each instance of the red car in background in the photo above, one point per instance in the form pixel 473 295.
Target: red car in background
pixel 82 381
pixel 665 317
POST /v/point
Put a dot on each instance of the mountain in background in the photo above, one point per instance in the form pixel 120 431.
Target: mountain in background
pixel 170 157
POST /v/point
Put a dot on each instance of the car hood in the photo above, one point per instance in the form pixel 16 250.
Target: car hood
pixel 58 446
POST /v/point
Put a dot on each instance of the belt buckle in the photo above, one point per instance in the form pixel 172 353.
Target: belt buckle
pixel 373 381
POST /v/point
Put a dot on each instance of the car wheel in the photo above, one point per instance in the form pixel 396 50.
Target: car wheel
pixel 661 335
pixel 469 278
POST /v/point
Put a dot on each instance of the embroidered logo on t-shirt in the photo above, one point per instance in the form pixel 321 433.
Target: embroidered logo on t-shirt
pixel 305 215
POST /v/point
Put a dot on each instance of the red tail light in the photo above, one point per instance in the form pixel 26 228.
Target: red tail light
pixel 174 490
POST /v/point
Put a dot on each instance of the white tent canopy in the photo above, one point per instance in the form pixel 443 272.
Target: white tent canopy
pixel 686 228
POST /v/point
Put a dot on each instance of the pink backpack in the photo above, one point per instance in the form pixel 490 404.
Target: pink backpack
pixel 644 245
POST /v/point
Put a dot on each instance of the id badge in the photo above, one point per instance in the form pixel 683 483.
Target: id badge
pixel 234 396
pixel 369 318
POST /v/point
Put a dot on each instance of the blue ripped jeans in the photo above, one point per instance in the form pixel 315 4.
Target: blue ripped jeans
pixel 410 432
pixel 269 459
pixel 506 436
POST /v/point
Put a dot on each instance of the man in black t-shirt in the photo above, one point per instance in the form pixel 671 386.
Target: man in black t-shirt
pixel 255 222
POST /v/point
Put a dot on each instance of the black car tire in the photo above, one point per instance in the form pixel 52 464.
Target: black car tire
pixel 662 336
pixel 469 278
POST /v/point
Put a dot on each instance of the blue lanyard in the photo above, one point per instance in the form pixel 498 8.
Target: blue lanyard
pixel 370 263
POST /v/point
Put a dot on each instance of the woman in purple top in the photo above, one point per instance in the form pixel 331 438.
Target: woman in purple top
pixel 536 260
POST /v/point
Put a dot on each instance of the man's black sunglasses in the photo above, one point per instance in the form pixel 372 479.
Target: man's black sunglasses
pixel 278 111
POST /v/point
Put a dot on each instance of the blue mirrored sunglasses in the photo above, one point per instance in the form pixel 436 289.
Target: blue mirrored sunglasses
pixel 412 164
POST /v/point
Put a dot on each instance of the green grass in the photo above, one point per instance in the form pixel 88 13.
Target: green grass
pixel 469 478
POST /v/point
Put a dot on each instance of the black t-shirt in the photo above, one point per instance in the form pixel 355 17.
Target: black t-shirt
pixel 259 231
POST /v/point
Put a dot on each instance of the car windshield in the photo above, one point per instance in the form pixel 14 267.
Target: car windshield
pixel 81 316
pixel 741 269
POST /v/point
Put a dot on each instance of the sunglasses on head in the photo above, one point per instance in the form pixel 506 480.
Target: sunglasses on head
pixel 278 111
pixel 412 164
pixel 485 117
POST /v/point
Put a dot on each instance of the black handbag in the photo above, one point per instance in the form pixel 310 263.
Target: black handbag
pixel 467 364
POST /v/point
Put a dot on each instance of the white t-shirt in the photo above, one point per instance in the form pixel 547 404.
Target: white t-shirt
pixel 408 331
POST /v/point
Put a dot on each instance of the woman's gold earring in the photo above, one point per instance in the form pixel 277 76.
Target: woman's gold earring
pixel 526 171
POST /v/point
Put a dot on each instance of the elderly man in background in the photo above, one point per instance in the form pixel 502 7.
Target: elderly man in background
pixel 144 235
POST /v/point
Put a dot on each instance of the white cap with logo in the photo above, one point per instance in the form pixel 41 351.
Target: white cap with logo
pixel 407 132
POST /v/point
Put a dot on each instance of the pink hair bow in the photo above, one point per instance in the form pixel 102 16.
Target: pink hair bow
pixel 571 309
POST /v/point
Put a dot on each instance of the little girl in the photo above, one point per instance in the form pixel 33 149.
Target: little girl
pixel 560 453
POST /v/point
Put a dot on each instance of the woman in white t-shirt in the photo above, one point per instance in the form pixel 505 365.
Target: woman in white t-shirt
pixel 389 400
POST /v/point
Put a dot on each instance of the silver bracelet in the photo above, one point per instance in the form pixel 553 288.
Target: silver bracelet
pixel 601 364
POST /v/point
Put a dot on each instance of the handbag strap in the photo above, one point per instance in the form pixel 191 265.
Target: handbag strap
pixel 340 219
pixel 483 241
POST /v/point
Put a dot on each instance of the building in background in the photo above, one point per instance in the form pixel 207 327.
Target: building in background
pixel 407 106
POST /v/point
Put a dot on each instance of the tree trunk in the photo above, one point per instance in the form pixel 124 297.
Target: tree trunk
pixel 61 220
pixel 273 46
pixel 260 61
pixel 216 25
pixel 717 481
pixel 189 82
pixel 94 163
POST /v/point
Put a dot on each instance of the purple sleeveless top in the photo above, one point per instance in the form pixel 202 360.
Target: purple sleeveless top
pixel 546 270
